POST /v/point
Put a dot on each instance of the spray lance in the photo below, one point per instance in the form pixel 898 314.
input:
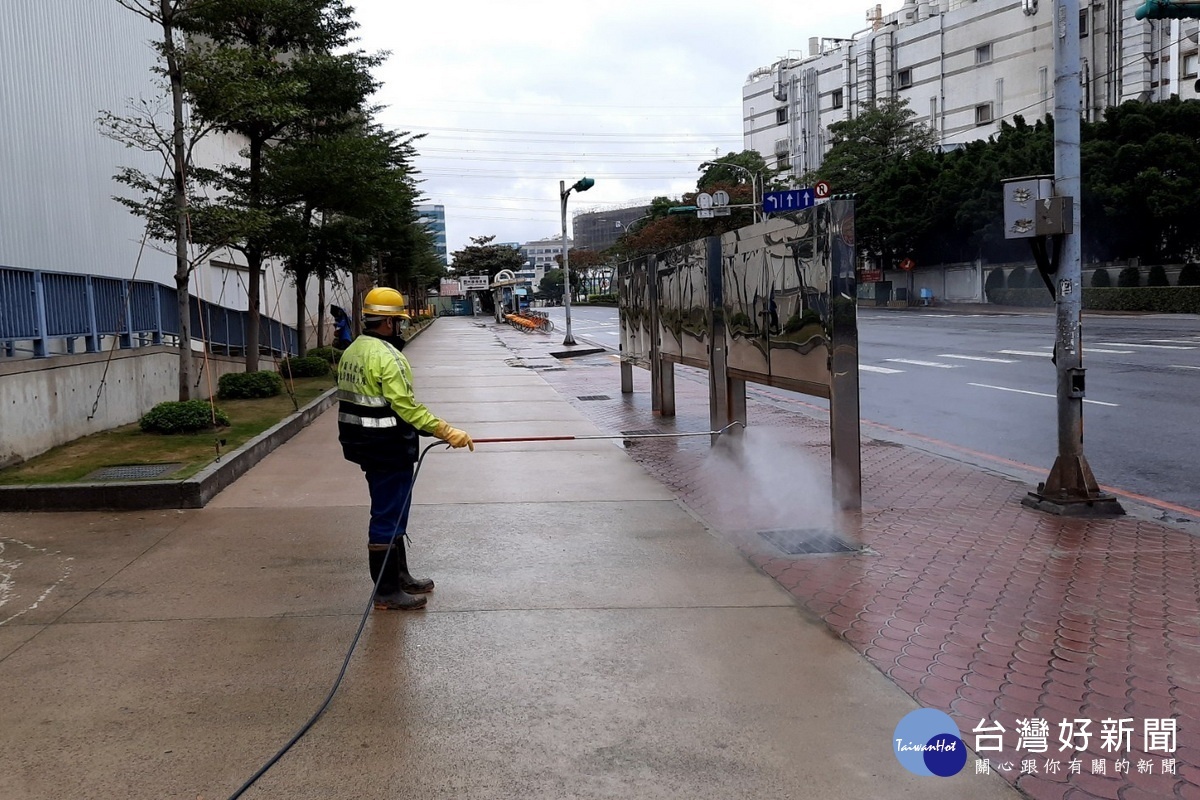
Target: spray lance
pixel 564 438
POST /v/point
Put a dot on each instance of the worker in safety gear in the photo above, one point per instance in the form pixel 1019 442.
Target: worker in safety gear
pixel 379 422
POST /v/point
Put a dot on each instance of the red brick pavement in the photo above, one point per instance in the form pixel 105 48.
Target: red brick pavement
pixel 968 601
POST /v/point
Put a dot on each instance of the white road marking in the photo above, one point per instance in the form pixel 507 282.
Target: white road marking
pixel 1174 341
pixel 1087 349
pixel 880 370
pixel 979 358
pixel 1151 346
pixel 1182 366
pixel 1038 394
pixel 1024 353
pixel 914 362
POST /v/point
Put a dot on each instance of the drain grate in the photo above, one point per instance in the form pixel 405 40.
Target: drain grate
pixel 808 541
pixel 132 472
pixel 594 397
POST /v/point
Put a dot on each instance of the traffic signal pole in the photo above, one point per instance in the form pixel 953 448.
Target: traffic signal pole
pixel 1071 488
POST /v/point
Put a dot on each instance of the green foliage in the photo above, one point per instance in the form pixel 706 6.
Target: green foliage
pixel 1021 297
pixel 1189 275
pixel 1017 279
pixel 717 174
pixel 330 354
pixel 1129 277
pixel 1159 299
pixel 602 298
pixel 248 385
pixel 483 256
pixel 1100 279
pixel 304 367
pixel 1157 276
pixel 1141 169
pixel 187 416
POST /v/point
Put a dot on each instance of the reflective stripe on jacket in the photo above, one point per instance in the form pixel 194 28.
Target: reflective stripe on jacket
pixel 379 419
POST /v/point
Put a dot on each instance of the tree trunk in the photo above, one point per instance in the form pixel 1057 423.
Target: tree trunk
pixel 178 167
pixel 301 303
pixel 320 312
pixel 254 259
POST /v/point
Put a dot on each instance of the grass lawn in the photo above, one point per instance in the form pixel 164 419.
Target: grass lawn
pixel 129 445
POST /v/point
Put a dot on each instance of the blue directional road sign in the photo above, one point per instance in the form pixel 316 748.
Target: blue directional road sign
pixel 789 200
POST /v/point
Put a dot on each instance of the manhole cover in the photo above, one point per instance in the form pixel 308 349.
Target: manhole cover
pixel 808 541
pixel 594 397
pixel 133 472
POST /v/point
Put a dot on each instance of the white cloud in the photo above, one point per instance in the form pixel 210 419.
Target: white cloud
pixel 518 95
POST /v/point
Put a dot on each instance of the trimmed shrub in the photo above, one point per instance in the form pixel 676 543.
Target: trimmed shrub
pixel 1017 279
pixel 330 354
pixel 1189 275
pixel 1129 278
pixel 602 298
pixel 1160 299
pixel 1100 279
pixel 995 280
pixel 249 385
pixel 188 416
pixel 307 367
pixel 1157 276
pixel 1022 297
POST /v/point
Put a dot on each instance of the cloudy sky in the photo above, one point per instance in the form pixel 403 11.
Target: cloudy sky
pixel 516 95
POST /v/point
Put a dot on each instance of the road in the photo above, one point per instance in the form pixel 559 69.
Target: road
pixel 983 386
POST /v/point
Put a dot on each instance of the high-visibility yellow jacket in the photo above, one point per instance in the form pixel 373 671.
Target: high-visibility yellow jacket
pixel 379 419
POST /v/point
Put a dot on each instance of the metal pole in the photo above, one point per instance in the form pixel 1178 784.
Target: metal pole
pixel 1071 487
pixel 1067 96
pixel 562 194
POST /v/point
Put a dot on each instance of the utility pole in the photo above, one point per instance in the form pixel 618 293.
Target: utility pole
pixel 1071 488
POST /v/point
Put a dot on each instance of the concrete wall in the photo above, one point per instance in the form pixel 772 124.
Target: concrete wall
pixel 47 402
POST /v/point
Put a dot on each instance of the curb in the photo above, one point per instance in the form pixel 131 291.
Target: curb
pixel 195 492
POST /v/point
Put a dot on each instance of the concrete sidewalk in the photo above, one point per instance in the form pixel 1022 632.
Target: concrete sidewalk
pixel 589 636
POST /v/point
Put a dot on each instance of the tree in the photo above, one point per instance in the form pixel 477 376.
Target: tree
pixel 867 157
pixel 719 174
pixel 551 284
pixel 483 256
pixel 1141 171
pixel 164 200
pixel 264 69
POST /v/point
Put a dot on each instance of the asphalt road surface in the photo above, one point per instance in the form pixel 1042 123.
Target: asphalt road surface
pixel 981 387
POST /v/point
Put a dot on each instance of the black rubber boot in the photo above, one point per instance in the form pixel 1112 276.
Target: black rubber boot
pixel 403 579
pixel 389 596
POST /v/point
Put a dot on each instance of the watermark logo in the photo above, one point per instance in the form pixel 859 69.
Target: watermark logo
pixel 927 742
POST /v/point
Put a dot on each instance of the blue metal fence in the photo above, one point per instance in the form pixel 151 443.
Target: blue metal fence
pixel 38 308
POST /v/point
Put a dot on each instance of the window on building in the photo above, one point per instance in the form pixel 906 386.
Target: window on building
pixel 1189 65
pixel 983 53
pixel 836 99
pixel 1083 23
pixel 904 78
pixel 983 114
pixel 781 116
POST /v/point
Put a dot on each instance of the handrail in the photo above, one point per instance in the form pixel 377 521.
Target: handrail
pixel 55 311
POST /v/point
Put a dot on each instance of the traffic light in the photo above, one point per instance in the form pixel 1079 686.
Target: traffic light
pixel 1168 9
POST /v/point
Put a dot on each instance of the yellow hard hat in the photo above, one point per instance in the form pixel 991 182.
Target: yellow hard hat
pixel 384 302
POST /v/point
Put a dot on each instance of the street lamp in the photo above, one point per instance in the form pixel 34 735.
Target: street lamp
pixel 581 185
pixel 751 175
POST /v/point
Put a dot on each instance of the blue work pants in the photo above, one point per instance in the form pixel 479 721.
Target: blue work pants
pixel 391 497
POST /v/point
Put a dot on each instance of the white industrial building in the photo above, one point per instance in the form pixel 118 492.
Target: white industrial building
pixel 963 66
pixel 62 64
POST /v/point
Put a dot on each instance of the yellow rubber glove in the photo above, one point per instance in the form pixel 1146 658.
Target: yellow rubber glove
pixel 453 436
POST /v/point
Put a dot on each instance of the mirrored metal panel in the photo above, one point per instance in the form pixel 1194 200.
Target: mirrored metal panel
pixel 776 276
pixel 683 303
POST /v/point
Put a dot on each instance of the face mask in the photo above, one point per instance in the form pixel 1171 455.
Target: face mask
pixel 396 341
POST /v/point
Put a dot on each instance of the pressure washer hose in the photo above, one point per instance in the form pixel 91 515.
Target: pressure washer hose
pixel 362 622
